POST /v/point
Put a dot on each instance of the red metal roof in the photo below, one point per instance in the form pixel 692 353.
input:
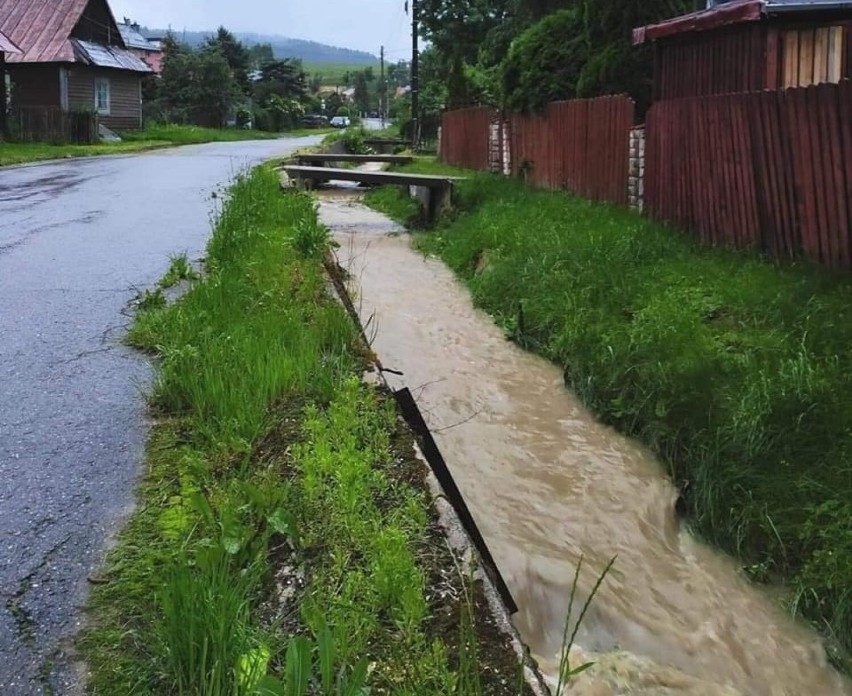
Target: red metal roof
pixel 41 28
pixel 722 15
pixel 7 45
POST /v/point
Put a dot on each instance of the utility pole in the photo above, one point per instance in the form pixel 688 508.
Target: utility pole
pixel 383 89
pixel 415 78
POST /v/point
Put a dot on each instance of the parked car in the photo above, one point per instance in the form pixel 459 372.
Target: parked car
pixel 314 121
pixel 341 122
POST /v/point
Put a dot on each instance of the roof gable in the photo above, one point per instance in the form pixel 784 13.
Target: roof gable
pixel 43 29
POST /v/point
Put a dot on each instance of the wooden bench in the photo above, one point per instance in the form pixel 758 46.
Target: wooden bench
pixel 433 192
pixel 326 157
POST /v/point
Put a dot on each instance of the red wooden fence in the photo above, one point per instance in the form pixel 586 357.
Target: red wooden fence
pixel 770 170
pixel 465 137
pixel 580 145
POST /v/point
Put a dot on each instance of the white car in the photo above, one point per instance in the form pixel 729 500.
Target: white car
pixel 341 122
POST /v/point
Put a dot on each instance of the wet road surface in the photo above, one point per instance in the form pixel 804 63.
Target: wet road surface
pixel 78 239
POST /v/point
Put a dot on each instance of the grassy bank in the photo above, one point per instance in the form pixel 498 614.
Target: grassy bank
pixel 284 541
pixel 734 370
pixel 151 138
pixel 21 153
pixel 405 209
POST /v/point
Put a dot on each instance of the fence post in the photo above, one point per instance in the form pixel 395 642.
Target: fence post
pixel 636 176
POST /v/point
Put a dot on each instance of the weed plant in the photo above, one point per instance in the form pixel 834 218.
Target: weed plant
pixel 179 270
pixel 735 370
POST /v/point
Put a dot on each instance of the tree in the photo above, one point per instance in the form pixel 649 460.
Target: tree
pixel 538 69
pixel 399 74
pixel 457 29
pixel 362 91
pixel 483 48
pixel 197 86
pixel 280 94
pixel 333 103
pixel 236 55
pixel 260 55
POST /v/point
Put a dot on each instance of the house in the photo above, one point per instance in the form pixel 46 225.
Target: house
pixel 73 58
pixel 150 51
pixel 7 46
pixel 750 45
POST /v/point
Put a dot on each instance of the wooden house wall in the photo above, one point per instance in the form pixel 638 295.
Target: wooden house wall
pixel 35 84
pixel 729 59
pixel 125 97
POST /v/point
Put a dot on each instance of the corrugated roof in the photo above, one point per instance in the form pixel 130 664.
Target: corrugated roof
pixel 7 45
pixel 783 6
pixel 719 16
pixel 133 39
pixel 108 56
pixel 735 12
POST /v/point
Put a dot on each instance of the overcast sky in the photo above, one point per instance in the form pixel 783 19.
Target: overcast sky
pixel 361 24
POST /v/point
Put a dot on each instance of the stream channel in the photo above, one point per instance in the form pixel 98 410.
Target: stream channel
pixel 547 483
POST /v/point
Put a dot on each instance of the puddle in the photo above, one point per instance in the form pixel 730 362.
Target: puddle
pixel 547 483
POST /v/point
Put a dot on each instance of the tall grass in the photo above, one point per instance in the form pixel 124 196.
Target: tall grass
pixel 189 135
pixel 267 443
pixel 735 370
pixel 262 314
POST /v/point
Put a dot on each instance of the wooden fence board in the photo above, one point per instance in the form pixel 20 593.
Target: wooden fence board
pixel 771 170
pixel 580 145
pixel 844 111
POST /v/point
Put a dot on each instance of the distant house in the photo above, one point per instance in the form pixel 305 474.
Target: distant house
pixel 149 50
pixel 73 58
pixel 750 45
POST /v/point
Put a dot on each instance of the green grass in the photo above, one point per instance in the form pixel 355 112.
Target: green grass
pixel 20 153
pixel 151 138
pixel 189 135
pixel 734 370
pixel 269 456
pixel 391 201
pixel 332 73
pixel 429 165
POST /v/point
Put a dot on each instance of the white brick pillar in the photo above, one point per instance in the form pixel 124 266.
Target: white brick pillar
pixel 636 175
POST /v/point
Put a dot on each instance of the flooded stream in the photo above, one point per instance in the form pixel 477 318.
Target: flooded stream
pixel 547 483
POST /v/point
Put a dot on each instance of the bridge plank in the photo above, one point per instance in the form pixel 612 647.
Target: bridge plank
pixel 348 157
pixel 320 174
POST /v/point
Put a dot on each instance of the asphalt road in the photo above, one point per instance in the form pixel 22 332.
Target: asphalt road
pixel 78 239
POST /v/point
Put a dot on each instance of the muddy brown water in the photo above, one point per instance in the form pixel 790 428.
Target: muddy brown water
pixel 547 484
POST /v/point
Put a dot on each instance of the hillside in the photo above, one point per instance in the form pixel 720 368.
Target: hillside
pixel 283 47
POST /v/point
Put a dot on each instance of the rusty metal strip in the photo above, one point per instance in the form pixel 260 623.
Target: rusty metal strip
pixel 415 421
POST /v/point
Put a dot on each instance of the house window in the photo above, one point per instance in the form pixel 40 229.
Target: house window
pixel 812 56
pixel 102 96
